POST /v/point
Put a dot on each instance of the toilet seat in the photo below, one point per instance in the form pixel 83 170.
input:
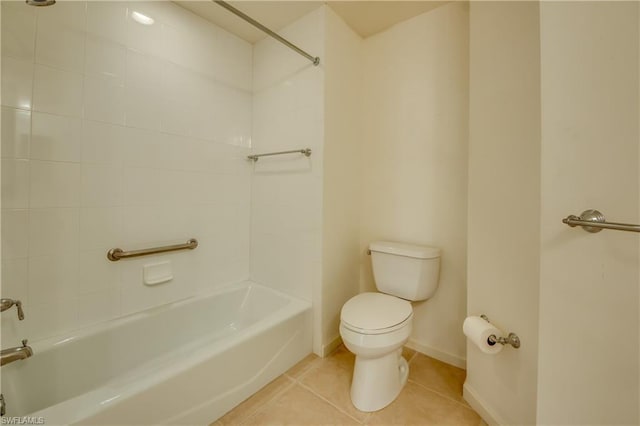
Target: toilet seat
pixel 376 313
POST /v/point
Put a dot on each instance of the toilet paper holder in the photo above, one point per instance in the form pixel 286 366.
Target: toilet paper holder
pixel 512 339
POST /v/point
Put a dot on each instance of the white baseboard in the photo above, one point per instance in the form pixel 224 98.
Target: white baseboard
pixel 487 413
pixel 448 358
pixel 331 346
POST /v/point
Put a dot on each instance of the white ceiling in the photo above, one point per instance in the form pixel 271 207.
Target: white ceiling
pixel 363 16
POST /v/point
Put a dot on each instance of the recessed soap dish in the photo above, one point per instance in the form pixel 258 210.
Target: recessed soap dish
pixel 157 273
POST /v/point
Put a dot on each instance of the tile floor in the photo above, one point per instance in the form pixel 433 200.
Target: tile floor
pixel 316 391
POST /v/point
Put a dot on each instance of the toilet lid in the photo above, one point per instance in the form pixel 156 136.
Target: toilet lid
pixel 375 311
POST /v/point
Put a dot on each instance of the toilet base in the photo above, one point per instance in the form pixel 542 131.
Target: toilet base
pixel 378 381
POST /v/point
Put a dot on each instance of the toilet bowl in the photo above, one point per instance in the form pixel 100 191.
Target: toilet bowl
pixel 380 371
pixel 375 326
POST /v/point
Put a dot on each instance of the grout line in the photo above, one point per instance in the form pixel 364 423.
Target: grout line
pixel 261 407
pixel 441 394
pixel 330 403
pixel 297 381
pixel 311 366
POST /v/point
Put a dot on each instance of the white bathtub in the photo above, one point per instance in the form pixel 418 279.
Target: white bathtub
pixel 184 363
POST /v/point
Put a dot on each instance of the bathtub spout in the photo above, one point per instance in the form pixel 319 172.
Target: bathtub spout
pixel 15 354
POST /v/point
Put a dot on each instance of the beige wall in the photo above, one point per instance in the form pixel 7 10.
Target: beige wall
pixel 588 363
pixel 414 160
pixel 341 177
pixel 504 204
pixel 554 131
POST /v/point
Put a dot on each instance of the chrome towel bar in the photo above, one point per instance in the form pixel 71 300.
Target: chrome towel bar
pixel 117 253
pixel 255 157
pixel 594 221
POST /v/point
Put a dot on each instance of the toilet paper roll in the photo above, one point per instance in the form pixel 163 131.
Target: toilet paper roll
pixel 478 331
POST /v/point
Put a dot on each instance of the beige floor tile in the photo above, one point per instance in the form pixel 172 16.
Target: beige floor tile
pixel 331 379
pixel 438 376
pixel 303 366
pixel 419 406
pixel 341 357
pixel 217 423
pixel 298 406
pixel 254 403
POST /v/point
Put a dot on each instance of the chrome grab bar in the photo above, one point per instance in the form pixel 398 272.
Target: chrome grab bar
pixel 117 253
pixel 593 221
pixel 255 157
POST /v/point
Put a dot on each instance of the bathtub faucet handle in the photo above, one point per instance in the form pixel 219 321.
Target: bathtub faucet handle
pixel 7 303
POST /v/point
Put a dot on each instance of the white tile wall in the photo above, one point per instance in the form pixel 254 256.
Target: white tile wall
pixel 14 229
pixel 16 82
pixel 117 134
pixel 104 99
pixel 100 228
pixel 56 91
pixel 101 186
pixel 55 138
pixel 286 222
pixel 15 272
pixel 107 20
pixel 143 108
pixel 103 143
pixel 104 57
pixel 15 184
pixel 52 278
pixel 19 33
pixel 59 41
pixel 54 184
pixel 53 231
pixel 16 133
pixel 142 71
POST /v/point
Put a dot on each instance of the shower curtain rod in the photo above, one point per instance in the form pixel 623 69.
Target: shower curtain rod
pixel 314 59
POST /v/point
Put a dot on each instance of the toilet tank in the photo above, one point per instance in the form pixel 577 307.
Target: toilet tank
pixel 405 270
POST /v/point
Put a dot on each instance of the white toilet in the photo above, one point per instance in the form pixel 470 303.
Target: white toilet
pixel 375 326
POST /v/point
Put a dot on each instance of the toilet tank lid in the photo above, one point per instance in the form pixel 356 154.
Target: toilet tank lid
pixel 402 249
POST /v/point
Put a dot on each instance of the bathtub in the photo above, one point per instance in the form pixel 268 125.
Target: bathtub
pixel 188 362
